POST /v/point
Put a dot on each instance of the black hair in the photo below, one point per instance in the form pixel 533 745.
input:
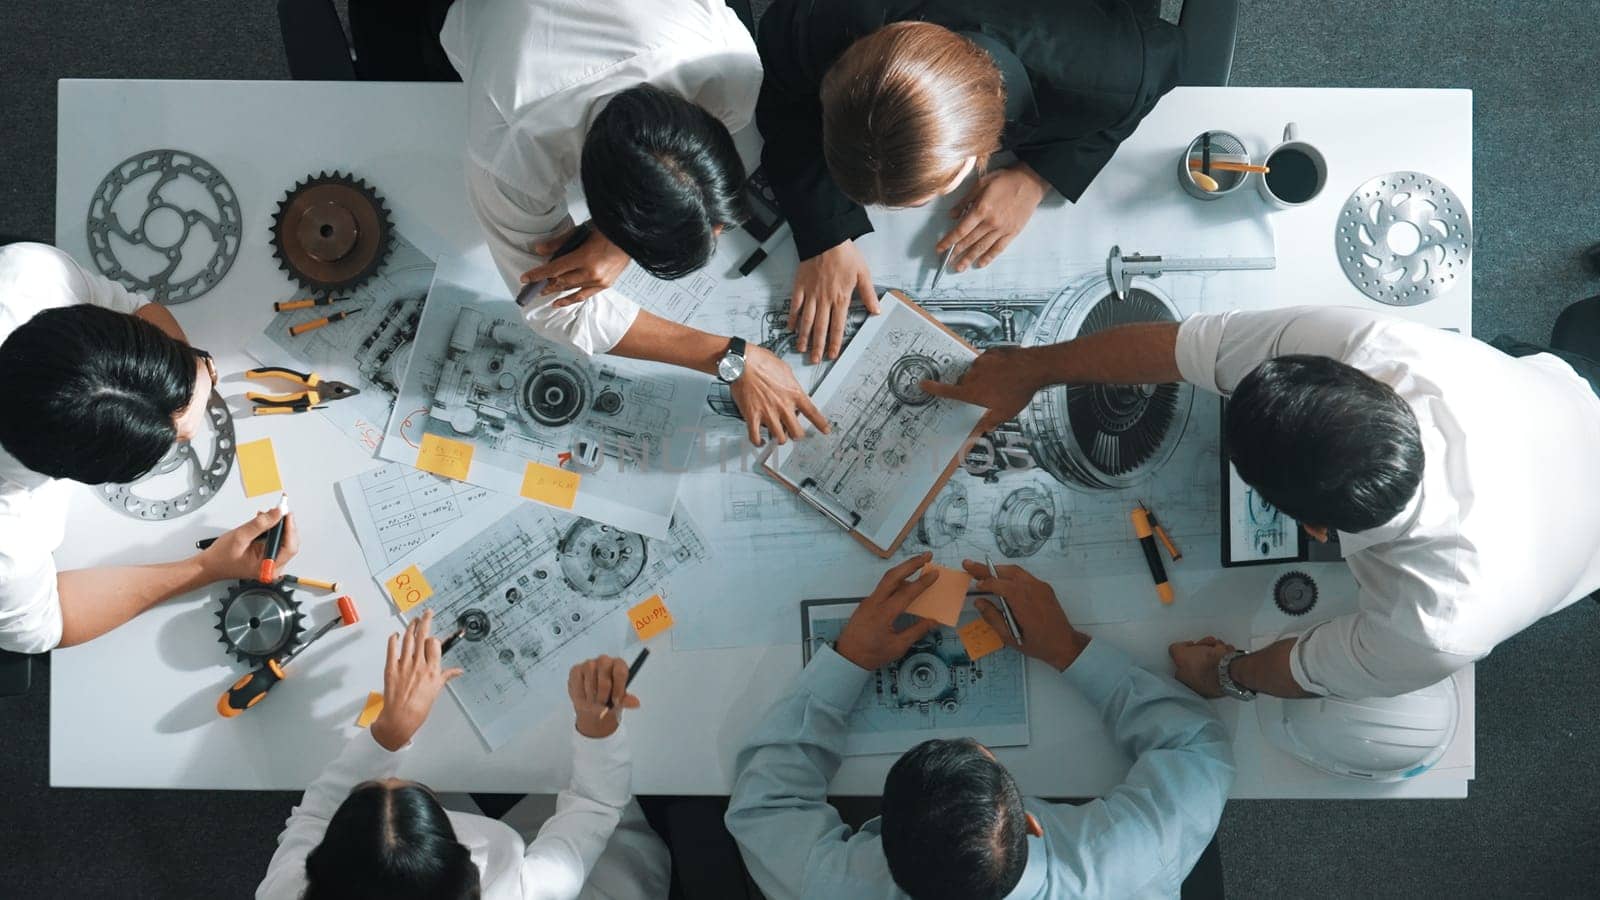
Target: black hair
pixel 953 826
pixel 91 394
pixel 390 843
pixel 1325 443
pixel 660 173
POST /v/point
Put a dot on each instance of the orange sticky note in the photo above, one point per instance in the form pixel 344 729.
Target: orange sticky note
pixel 442 456
pixel 943 601
pixel 409 588
pixel 258 468
pixel 548 484
pixel 369 713
pixel 979 639
pixel 650 618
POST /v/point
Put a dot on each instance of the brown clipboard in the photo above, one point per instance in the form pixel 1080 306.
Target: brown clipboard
pixel 938 483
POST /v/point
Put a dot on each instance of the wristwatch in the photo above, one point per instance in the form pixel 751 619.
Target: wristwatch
pixel 1229 688
pixel 730 367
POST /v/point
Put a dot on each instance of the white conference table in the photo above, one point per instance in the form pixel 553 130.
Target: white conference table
pixel 136 708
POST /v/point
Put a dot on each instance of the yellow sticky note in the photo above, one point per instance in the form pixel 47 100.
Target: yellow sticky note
pixel 943 601
pixel 979 639
pixel 369 713
pixel 258 468
pixel 409 588
pixel 650 618
pixel 548 484
pixel 442 456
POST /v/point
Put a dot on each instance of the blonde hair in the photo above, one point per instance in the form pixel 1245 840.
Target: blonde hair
pixel 903 108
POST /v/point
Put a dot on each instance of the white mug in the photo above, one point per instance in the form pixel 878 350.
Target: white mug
pixel 1291 141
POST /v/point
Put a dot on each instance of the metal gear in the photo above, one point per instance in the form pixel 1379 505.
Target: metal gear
pixel 259 621
pixel 205 474
pixel 331 233
pixel 1295 593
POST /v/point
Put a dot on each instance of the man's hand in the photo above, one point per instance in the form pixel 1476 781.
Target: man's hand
pixel 769 397
pixel 590 684
pixel 869 639
pixel 820 307
pixel 997 381
pixel 992 214
pixel 412 679
pixel 238 553
pixel 586 271
pixel 1196 664
pixel 1046 633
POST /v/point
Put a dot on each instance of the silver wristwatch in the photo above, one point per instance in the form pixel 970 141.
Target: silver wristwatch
pixel 730 367
pixel 1229 688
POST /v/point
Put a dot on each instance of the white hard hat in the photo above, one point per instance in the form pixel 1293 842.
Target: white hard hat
pixel 1378 739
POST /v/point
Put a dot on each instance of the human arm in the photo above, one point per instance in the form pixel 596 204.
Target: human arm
pixel 992 214
pixel 162 318
pixel 95 601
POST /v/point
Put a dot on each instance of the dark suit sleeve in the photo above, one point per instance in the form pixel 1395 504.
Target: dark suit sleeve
pixel 1070 165
pixel 797 43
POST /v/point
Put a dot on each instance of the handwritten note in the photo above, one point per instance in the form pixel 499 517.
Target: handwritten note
pixel 979 639
pixel 442 456
pixel 943 601
pixel 258 468
pixel 369 713
pixel 409 588
pixel 650 618
pixel 548 484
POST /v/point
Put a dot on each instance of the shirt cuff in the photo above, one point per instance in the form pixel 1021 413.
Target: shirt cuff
pixel 1199 341
pixel 833 679
pixel 1098 671
pixel 601 767
pixel 814 238
pixel 365 747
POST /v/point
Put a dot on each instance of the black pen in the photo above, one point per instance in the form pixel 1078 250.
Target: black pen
pixel 451 641
pixel 632 671
pixel 530 291
pixel 273 543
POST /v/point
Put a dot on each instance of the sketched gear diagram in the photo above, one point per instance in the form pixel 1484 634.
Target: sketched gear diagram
pixel 600 560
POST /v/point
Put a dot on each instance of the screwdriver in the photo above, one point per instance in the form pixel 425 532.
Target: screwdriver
pixel 314 324
pixel 307 303
pixel 248 691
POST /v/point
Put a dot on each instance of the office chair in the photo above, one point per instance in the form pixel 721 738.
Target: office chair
pixel 1210 29
pixel 16 673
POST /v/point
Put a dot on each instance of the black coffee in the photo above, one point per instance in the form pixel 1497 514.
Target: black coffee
pixel 1293 178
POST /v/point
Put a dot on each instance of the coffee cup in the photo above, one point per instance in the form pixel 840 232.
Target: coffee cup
pixel 1297 172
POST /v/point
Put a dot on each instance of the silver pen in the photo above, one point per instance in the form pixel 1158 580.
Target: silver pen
pixel 942 264
pixel 1005 609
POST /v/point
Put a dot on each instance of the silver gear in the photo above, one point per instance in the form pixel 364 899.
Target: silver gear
pixel 258 621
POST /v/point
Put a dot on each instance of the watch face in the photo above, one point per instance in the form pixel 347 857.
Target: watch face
pixel 730 367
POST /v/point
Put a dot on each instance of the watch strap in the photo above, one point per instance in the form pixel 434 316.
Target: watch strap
pixel 1225 678
pixel 736 347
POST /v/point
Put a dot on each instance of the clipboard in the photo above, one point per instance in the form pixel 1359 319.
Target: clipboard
pixel 848 519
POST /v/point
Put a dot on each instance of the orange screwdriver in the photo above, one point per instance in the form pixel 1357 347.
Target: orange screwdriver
pixel 306 303
pixel 249 690
pixel 314 324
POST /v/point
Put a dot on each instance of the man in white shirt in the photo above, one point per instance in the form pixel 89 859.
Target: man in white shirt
pixel 637 99
pixel 99 383
pixel 360 832
pixel 1446 466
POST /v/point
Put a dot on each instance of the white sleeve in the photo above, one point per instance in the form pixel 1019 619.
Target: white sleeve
pixel 1355 656
pixel 30 603
pixel 1215 351
pixel 363 759
pixel 98 290
pixel 513 222
pixel 559 859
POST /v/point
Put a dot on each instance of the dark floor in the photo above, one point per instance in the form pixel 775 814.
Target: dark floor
pixel 1528 828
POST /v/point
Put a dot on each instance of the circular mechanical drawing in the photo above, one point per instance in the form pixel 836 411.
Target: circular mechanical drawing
pixel 1295 593
pixel 906 375
pixel 474 625
pixel 259 621
pixel 201 479
pixel 185 225
pixel 1024 522
pixel 1403 238
pixel 555 394
pixel 924 677
pixel 600 560
pixel 331 233
pixel 1095 435
pixel 945 520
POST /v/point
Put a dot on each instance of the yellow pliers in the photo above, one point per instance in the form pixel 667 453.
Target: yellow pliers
pixel 314 391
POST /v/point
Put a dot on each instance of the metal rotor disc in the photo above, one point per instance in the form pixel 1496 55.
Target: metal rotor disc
pixel 331 233
pixel 259 621
pixel 1426 211
pixel 188 210
pixel 205 480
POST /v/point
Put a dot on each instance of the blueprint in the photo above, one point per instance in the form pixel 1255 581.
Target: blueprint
pixel 394 509
pixel 934 691
pixel 890 440
pixel 481 380
pixel 369 350
pixel 1257 531
pixel 535 591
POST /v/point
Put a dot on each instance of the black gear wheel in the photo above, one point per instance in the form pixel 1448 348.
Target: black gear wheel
pixel 331 233
pixel 1295 593
pixel 259 621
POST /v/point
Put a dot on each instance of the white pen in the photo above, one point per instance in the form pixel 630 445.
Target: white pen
pixel 1005 609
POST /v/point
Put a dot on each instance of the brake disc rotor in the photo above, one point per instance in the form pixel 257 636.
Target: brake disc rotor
pixel 205 478
pixel 1404 238
pixel 188 210
pixel 331 233
pixel 259 621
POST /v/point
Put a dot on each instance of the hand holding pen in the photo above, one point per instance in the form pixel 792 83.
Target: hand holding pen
pixel 1036 611
pixel 599 692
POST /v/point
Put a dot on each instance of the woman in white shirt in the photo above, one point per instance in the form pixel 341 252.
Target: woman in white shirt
pixel 361 832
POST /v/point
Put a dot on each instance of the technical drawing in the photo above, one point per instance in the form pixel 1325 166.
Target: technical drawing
pixel 934 690
pixel 393 509
pixel 530 591
pixel 945 519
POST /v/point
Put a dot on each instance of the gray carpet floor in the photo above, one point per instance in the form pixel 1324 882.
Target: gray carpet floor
pixel 1528 828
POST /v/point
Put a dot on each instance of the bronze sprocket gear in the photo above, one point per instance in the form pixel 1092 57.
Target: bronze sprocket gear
pixel 331 233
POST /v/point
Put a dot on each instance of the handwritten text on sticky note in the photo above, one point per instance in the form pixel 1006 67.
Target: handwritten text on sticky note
pixel 548 484
pixel 650 618
pixel 408 588
pixel 258 468
pixel 442 456
pixel 979 639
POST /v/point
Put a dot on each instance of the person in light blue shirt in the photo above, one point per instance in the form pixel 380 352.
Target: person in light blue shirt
pixel 954 822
